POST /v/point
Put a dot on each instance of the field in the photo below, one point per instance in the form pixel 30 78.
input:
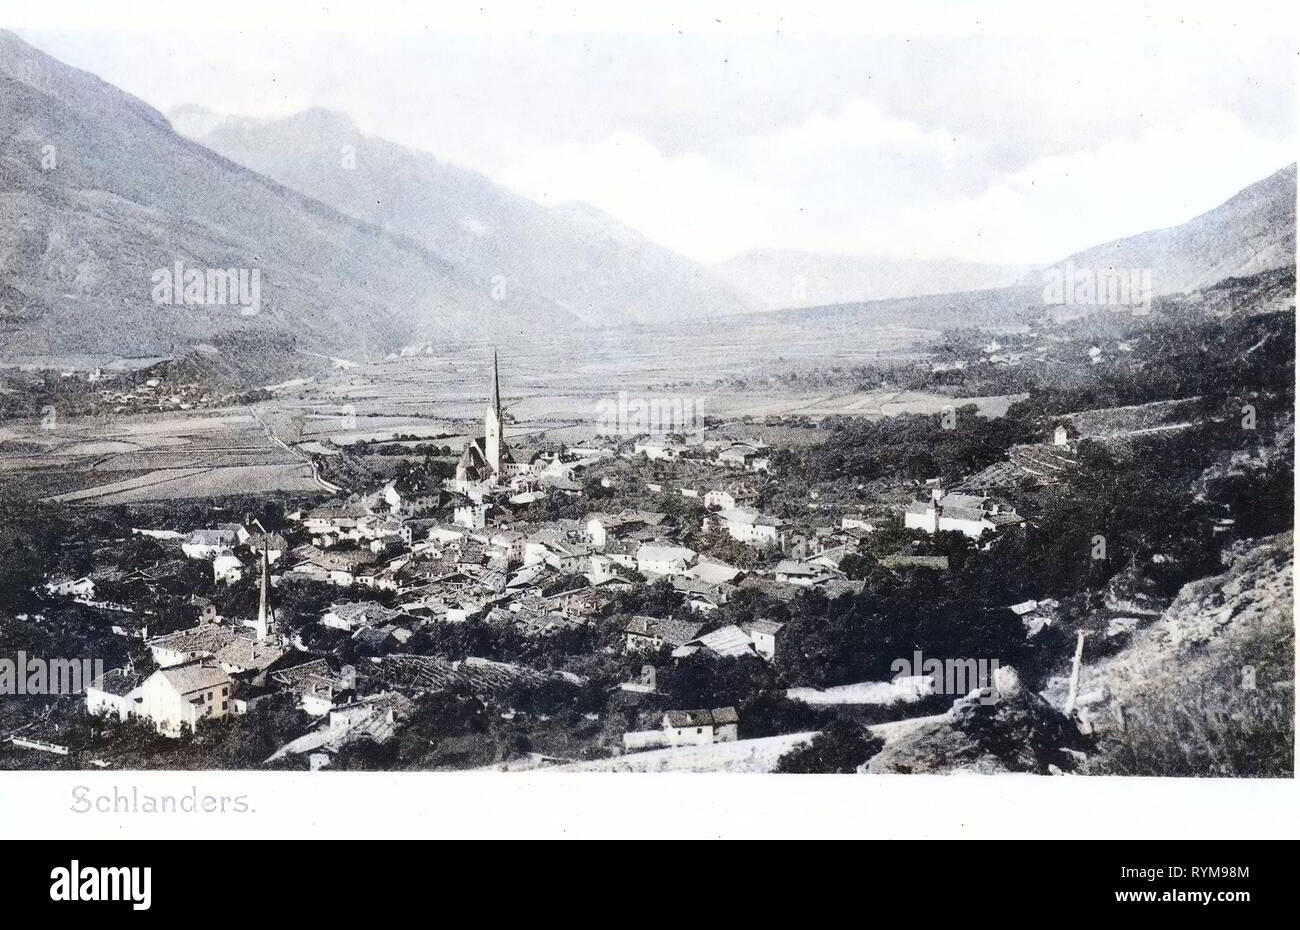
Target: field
pixel 551 389
pixel 143 458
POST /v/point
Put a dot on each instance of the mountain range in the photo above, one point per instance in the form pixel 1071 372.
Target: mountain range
pixel 364 246
pixel 783 278
pixel 573 256
pixel 98 193
pixel 1251 232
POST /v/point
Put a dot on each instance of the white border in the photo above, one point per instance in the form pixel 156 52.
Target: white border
pixel 335 805
pixel 388 805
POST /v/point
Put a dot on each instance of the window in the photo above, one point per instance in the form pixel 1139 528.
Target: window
pixel 208 696
pixel 225 705
pixel 225 689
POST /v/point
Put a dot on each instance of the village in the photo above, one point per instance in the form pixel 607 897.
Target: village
pixel 392 565
pixel 696 599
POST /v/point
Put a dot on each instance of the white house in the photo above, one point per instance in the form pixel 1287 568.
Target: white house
pixel 116 693
pixel 700 727
pixel 208 544
pixel 227 567
pixel 764 634
pixel 728 498
pixel 200 642
pixel 658 450
pixel 687 728
pixel 652 633
pixel 663 559
pixel 79 587
pixel 962 513
pixel 751 527
pixel 471 516
pixel 185 694
pixel 350 617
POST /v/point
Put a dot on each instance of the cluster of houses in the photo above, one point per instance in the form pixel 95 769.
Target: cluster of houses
pixel 445 552
pixel 752 456
pixel 951 511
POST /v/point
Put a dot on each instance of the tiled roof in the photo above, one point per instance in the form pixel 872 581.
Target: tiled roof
pixel 195 676
pixel 729 641
pixel 219 537
pixel 206 637
pixel 249 653
pixel 118 681
pixel 663 552
pixel 748 516
pixel 719 716
pixel 671 631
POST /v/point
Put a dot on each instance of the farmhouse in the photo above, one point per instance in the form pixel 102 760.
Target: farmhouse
pixel 115 693
pixel 962 513
pixel 663 559
pixel 687 728
pixel 182 695
pixel 728 642
pixel 208 544
pixel 751 527
pixel 652 633
pixel 700 727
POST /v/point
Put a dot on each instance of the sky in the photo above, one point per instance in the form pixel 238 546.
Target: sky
pixel 991 145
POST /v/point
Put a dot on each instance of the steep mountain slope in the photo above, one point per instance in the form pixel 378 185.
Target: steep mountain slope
pixel 97 192
pixel 1251 232
pixel 573 255
pixel 1209 687
pixel 783 278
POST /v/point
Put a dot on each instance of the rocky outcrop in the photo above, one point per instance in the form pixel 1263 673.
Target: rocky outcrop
pixel 1017 732
pixel 1207 689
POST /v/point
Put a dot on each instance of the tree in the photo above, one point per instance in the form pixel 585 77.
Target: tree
pixel 837 750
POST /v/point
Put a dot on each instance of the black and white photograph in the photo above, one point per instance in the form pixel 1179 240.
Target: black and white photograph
pixel 514 396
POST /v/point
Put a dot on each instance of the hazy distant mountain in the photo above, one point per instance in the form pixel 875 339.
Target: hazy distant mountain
pixel 573 255
pixel 1253 231
pixel 784 278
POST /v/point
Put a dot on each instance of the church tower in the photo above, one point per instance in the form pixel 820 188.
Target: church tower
pixel 492 424
pixel 265 625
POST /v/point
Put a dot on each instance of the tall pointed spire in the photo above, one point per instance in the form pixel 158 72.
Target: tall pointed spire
pixel 265 613
pixel 496 386
pixel 493 444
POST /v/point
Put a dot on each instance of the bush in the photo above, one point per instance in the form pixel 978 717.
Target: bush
pixel 837 750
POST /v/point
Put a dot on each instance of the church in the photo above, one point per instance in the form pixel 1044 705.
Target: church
pixel 487 458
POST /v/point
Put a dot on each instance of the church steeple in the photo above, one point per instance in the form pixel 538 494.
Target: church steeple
pixel 496 387
pixel 265 613
pixel 492 443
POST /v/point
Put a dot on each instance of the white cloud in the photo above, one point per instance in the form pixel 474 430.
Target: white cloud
pixel 879 185
pixel 1062 203
pixel 685 202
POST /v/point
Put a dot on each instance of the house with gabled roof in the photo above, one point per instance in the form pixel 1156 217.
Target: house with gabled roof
pixel 183 695
pixel 652 633
pixel 728 642
pixel 116 693
pixel 701 727
pixel 749 526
